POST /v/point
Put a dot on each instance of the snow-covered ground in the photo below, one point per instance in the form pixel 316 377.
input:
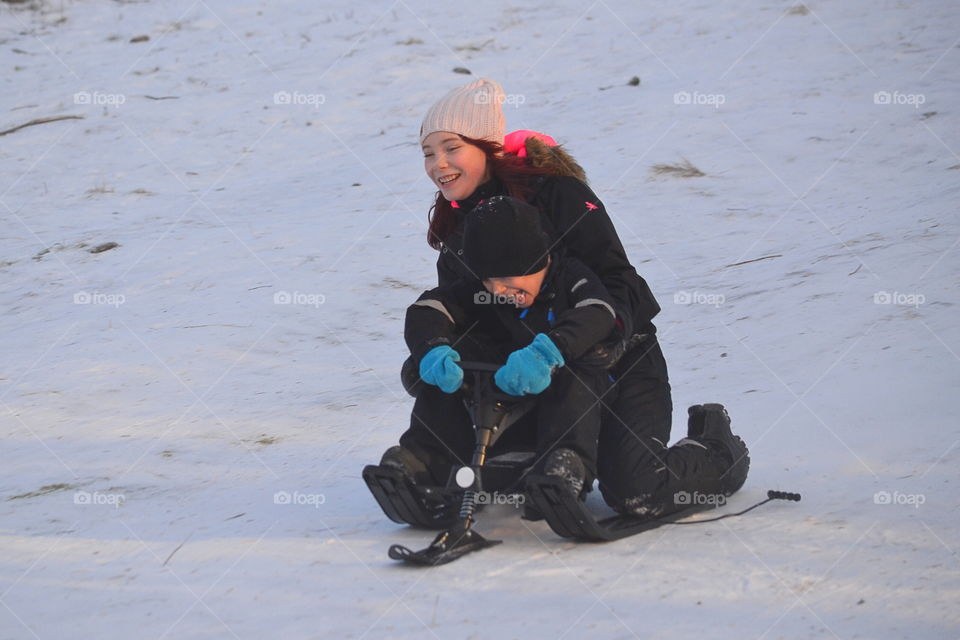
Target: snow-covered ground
pixel 181 450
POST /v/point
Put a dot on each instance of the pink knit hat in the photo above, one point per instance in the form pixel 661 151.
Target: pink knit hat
pixel 474 110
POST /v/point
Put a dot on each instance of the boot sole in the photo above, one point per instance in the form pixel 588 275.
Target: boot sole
pixel 736 475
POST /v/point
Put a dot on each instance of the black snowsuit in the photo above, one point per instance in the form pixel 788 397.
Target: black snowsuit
pixel 634 465
pixel 573 309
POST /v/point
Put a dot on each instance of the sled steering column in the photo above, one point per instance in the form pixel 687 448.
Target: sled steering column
pixel 491 412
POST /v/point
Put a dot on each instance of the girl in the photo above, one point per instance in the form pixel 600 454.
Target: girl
pixel 468 158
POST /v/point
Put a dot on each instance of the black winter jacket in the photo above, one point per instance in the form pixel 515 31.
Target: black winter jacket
pixel 573 308
pixel 576 219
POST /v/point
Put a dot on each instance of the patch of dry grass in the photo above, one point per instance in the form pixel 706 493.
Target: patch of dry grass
pixel 681 170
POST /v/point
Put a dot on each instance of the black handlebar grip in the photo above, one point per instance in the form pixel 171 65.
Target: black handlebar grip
pixel 783 495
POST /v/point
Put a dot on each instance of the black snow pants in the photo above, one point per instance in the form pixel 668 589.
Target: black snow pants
pixel 636 470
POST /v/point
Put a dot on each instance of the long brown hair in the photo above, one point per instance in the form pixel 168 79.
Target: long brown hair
pixel 514 172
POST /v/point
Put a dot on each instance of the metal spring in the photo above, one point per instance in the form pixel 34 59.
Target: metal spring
pixel 468 505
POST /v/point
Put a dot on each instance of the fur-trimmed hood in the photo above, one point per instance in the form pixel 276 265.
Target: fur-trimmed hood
pixel 556 159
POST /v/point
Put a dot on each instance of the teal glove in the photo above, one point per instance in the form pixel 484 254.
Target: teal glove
pixel 528 370
pixel 439 368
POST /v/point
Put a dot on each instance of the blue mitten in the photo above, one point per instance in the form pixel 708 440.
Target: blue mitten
pixel 528 370
pixel 439 368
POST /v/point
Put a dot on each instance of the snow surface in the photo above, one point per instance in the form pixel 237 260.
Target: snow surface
pixel 147 432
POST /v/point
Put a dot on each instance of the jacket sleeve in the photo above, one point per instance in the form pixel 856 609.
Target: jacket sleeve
pixel 432 320
pixel 439 316
pixel 590 317
pixel 585 230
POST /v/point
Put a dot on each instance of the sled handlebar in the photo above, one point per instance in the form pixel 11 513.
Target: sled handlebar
pixel 474 365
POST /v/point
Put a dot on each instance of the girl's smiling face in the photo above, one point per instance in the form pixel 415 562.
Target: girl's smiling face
pixel 456 167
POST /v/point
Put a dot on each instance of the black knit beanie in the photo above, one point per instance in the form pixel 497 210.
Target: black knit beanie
pixel 503 238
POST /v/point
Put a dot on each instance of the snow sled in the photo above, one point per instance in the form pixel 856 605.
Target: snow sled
pixel 452 508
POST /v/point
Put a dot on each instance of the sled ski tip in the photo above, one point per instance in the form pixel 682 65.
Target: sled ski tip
pixel 446 547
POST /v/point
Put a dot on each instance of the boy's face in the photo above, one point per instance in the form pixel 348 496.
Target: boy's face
pixel 519 290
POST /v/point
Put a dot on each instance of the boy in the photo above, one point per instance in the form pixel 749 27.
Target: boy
pixel 541 312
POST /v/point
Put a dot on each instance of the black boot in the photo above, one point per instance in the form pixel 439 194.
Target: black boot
pixel 567 465
pixel 709 424
pixel 403 460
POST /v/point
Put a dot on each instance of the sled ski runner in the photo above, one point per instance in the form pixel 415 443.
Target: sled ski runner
pixel 570 517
